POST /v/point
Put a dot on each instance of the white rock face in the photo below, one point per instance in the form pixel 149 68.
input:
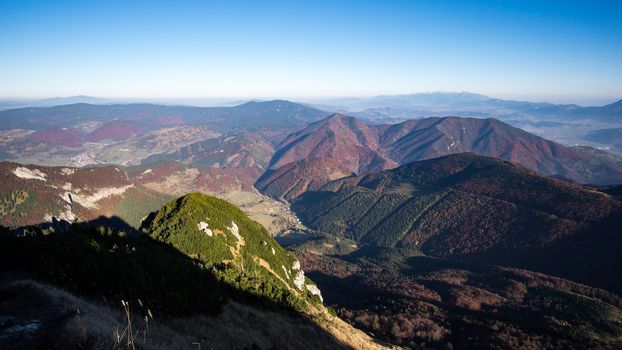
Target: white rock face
pixel 203 226
pixel 67 186
pixel 67 171
pixel 67 198
pixel 25 173
pixel 296 265
pixel 285 270
pixel 91 201
pixel 315 291
pixel 299 280
pixel 66 215
pixel 274 252
pixel 235 231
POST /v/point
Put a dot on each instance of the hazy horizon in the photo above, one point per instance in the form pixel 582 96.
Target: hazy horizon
pixel 218 101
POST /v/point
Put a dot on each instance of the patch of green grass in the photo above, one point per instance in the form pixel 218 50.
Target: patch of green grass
pixel 137 204
pixel 176 224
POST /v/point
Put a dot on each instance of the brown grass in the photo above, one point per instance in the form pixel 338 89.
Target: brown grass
pixel 71 322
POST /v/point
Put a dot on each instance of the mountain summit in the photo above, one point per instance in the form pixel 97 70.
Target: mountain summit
pixel 347 139
pixel 217 233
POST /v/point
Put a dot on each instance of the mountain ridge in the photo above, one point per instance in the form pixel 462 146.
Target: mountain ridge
pixel 367 148
pixel 247 115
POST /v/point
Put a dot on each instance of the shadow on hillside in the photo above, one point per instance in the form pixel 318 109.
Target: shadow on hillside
pixel 94 260
pixel 115 223
pixel 349 292
pixel 426 265
pixel 590 256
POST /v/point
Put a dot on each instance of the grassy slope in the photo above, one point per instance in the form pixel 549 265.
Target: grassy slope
pixel 177 224
pixel 137 203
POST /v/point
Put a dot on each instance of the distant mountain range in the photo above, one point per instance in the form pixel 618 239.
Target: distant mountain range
pixel 83 134
pixel 49 102
pixel 611 137
pixel 405 106
pixel 73 125
pixel 246 116
pixel 363 148
pixel 467 104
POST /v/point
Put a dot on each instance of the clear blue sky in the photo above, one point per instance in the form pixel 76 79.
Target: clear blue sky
pixel 521 49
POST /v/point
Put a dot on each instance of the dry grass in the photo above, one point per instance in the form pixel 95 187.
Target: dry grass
pixel 71 322
pixel 68 321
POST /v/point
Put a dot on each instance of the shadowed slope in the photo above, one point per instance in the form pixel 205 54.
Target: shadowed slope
pixel 476 208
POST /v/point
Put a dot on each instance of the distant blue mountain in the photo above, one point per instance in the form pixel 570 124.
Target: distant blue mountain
pixel 389 107
pixel 247 116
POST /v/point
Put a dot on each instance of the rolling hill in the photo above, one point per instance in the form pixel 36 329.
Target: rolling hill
pixel 236 150
pixel 115 130
pixel 229 162
pixel 473 208
pixel 57 136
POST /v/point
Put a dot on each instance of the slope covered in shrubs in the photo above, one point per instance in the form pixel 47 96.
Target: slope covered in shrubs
pixel 195 256
pixel 217 233
pixel 475 208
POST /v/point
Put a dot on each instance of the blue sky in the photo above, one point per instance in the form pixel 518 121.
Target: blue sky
pixel 538 50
